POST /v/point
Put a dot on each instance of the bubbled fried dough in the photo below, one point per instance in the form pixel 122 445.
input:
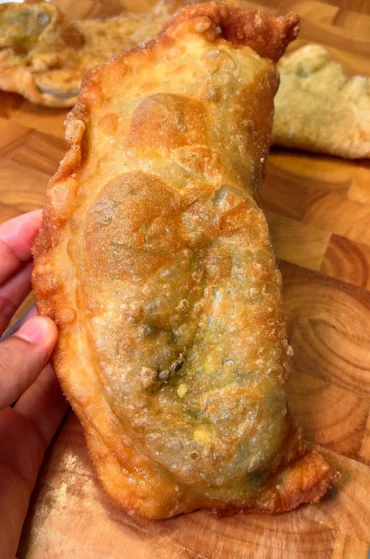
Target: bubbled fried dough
pixel 155 261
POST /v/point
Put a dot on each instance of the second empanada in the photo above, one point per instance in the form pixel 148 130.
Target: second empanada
pixel 319 108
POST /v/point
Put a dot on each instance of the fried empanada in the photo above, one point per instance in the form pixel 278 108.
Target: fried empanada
pixel 155 261
pixel 43 56
pixel 319 108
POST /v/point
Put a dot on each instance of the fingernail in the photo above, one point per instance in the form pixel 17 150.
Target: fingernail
pixel 34 331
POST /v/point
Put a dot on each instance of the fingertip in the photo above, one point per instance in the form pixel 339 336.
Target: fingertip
pixel 33 218
pixel 39 330
pixel 19 232
pixel 23 356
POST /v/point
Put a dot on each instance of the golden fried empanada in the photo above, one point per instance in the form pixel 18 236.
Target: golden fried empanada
pixel 43 56
pixel 319 108
pixel 155 261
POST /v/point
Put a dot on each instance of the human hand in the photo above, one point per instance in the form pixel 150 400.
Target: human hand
pixel 27 428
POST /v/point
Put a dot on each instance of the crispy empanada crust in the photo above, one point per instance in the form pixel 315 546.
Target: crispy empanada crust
pixel 319 108
pixel 155 261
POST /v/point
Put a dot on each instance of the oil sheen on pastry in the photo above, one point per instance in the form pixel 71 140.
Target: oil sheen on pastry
pixel 155 261
pixel 319 108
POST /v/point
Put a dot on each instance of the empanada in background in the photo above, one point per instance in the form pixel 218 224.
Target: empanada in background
pixel 43 56
pixel 319 108
pixel 155 261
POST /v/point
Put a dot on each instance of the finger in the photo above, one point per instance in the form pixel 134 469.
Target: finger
pixel 12 293
pixel 25 432
pixel 39 411
pixel 21 320
pixel 16 438
pixel 23 356
pixel 16 237
pixel 43 404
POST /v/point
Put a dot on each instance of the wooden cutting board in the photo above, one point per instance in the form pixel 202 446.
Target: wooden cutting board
pixel 319 214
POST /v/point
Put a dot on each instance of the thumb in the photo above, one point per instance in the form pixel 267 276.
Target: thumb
pixel 24 355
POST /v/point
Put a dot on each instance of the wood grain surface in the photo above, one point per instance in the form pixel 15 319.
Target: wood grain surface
pixel 318 209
